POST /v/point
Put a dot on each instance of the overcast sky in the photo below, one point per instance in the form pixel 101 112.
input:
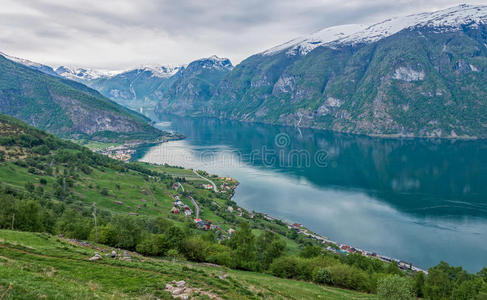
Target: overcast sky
pixel 119 34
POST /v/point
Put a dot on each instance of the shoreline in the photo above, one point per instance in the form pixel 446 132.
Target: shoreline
pixel 394 136
pixel 125 152
pixel 341 249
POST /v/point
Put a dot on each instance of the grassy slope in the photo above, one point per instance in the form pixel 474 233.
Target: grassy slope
pixel 133 190
pixel 34 265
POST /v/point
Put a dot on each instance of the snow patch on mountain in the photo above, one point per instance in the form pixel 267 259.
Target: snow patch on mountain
pixel 30 64
pixel 408 74
pixel 214 62
pixel 162 71
pixel 304 45
pixel 22 61
pixel 450 19
pixel 83 74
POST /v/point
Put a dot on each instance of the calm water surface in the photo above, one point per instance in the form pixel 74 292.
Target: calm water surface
pixel 418 200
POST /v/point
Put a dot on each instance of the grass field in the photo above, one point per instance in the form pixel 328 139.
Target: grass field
pixel 41 266
pixel 128 192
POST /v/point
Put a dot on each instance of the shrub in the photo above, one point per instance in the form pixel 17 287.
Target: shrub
pixel 437 285
pixel 106 235
pixel 310 251
pixel 350 278
pixel 42 150
pixel 128 231
pixel 173 254
pixel 153 244
pixel 395 287
pixel 194 249
pixel 468 289
pixel 292 267
pixel 104 192
pixel 322 275
pixel 29 186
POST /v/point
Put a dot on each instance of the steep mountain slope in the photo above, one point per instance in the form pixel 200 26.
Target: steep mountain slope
pixel 66 108
pixel 33 65
pixel 142 87
pixel 421 75
pixel 190 89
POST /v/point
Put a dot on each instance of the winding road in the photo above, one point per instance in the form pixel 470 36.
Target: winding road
pixel 180 186
pixel 212 183
pixel 196 207
pixel 192 200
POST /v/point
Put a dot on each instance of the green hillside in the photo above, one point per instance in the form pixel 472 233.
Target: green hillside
pixel 67 108
pixel 35 265
pixel 52 187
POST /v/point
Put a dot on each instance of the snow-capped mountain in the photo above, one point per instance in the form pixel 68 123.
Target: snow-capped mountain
pixel 193 86
pixel 83 74
pixel 450 19
pixel 213 62
pixel 30 64
pixel 161 71
pixel 417 75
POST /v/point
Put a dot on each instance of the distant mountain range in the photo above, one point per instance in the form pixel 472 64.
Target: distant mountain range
pixel 147 86
pixel 422 75
pixel 64 107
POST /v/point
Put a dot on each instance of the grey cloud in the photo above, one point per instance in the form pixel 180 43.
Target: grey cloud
pixel 122 33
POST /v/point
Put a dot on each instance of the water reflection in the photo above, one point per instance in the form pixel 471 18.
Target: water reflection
pixel 413 199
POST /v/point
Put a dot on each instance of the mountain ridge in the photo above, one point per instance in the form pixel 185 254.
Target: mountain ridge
pixel 425 81
pixel 67 108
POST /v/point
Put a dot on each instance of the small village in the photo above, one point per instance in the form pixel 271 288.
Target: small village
pixel 123 152
pixel 229 185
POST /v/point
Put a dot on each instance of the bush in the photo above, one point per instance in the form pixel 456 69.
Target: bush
pixel 221 255
pixel 310 251
pixel 173 254
pixel 292 267
pixel 468 289
pixel 153 244
pixel 322 275
pixel 395 287
pixel 106 235
pixel 29 186
pixel 42 150
pixel 437 285
pixel 350 278
pixel 104 192
pixel 73 225
pixel 128 230
pixel 194 249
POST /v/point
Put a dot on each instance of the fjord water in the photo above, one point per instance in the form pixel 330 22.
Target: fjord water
pixel 418 200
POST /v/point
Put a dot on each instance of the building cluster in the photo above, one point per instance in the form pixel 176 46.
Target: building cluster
pixel 123 153
pixel 207 186
pixel 180 207
pixel 346 249
pixel 225 186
